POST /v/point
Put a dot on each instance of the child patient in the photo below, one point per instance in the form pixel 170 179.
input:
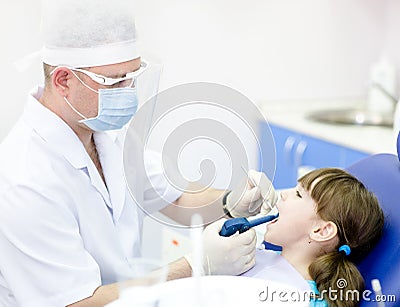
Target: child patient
pixel 326 223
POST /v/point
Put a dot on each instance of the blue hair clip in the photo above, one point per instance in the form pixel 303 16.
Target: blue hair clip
pixel 345 248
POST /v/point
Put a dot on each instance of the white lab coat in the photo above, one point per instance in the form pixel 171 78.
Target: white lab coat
pixel 63 233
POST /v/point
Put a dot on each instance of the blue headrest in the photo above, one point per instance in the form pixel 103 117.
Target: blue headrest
pixel 398 145
pixel 381 175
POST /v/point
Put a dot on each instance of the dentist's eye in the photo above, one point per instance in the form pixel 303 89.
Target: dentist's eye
pixel 298 194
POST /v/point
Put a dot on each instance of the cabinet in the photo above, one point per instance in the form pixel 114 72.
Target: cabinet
pixel 297 153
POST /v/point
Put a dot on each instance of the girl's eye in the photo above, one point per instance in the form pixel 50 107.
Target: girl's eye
pixel 298 194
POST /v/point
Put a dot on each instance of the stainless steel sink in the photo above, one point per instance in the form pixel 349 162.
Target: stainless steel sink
pixel 353 117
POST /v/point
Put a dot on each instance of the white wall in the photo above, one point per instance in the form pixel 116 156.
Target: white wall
pixel 392 30
pixel 269 50
pixel 19 26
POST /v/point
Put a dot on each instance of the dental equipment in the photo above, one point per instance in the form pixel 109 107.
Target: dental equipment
pixel 196 238
pixel 252 208
pixel 241 224
pixel 376 286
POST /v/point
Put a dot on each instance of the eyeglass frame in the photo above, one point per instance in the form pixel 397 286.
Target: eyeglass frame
pixel 108 81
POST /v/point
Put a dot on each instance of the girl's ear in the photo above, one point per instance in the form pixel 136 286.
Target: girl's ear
pixel 324 231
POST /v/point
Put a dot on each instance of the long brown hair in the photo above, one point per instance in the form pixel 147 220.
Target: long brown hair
pixel 345 201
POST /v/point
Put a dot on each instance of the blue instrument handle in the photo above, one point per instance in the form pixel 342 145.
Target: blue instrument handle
pixel 262 220
pixel 241 224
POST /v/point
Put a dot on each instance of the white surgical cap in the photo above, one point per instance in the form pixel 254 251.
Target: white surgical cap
pixel 85 33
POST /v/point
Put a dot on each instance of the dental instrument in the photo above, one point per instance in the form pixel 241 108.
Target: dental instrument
pixel 197 270
pixel 252 209
pixel 241 224
pixel 376 286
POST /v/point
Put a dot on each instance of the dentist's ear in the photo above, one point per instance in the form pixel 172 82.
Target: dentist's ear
pixel 60 78
pixel 324 231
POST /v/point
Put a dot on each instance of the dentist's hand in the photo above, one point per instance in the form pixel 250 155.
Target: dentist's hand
pixel 258 194
pixel 226 255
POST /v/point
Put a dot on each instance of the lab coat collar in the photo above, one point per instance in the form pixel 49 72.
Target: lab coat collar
pixel 54 130
pixel 62 139
pixel 110 155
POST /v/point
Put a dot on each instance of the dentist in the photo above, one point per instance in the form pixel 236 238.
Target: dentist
pixel 67 217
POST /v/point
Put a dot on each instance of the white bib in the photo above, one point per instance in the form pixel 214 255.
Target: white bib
pixel 272 266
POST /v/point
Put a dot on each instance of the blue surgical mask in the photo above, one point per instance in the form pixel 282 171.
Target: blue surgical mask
pixel 115 109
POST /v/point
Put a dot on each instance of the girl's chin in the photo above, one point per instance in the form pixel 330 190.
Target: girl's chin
pixel 269 230
pixel 270 239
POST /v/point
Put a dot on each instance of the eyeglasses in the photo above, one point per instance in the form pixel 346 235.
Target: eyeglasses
pixel 127 81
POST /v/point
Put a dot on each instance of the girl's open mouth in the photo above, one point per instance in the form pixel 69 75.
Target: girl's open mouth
pixel 273 221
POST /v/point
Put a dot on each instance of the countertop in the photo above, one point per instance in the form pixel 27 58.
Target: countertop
pixel 293 115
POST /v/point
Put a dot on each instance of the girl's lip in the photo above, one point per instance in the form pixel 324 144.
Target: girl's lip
pixel 273 221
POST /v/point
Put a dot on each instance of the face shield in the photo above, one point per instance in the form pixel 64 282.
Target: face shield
pixel 203 133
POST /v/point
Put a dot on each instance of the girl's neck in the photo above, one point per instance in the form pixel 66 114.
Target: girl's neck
pixel 299 261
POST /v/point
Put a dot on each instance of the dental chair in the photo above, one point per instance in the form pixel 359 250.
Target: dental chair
pixel 380 173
